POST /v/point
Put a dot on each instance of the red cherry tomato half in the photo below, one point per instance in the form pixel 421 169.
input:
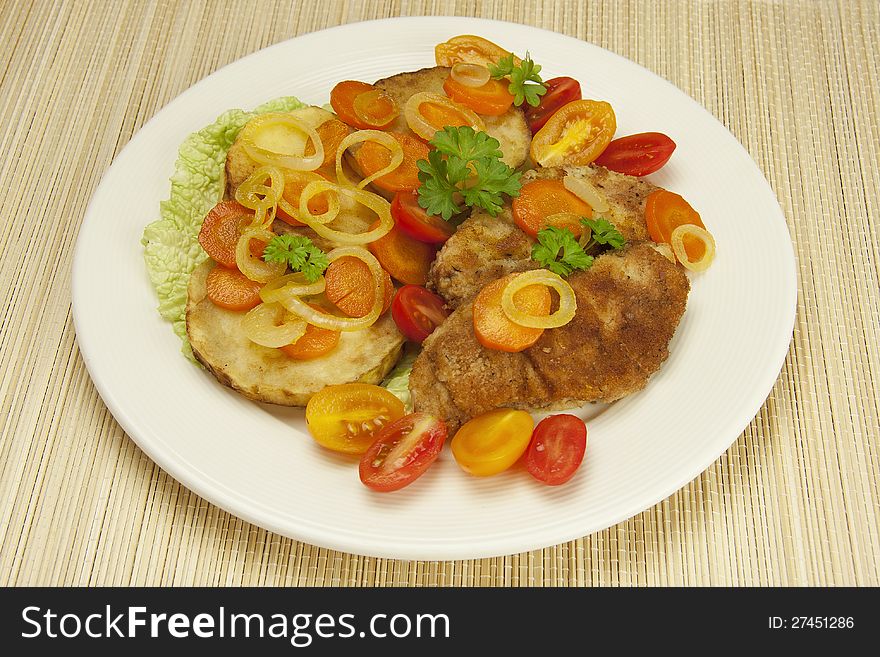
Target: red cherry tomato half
pixel 637 155
pixel 412 219
pixel 557 449
pixel 417 312
pixel 402 452
pixel 560 91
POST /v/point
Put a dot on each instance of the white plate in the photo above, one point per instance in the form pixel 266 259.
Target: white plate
pixel 257 462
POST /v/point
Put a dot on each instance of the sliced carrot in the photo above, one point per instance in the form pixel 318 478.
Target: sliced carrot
pixel 221 229
pixel 230 289
pixel 372 157
pixel 314 343
pixel 544 198
pixel 492 99
pixel 441 116
pixel 294 184
pixel 350 286
pixel 379 110
pixel 332 133
pixel 406 259
pixel 664 212
pixel 491 325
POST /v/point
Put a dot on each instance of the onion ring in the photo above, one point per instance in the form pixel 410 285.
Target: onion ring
pixel 567 300
pixel 381 138
pixel 294 284
pixel 269 326
pixel 294 161
pixel 676 241
pixel 422 127
pixel 256 269
pixel 322 320
pixel 374 202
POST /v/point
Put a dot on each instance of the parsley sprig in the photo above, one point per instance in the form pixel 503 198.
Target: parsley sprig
pixel 299 253
pixel 525 81
pixel 558 250
pixel 464 164
pixel 602 231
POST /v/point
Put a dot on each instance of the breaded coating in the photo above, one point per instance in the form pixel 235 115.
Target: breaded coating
pixel 629 305
pixel 485 248
pixel 510 129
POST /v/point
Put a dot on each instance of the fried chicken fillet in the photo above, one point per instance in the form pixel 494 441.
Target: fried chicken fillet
pixel 629 305
pixel 485 248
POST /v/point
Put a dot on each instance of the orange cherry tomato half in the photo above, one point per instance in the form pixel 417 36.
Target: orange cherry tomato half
pixel 492 442
pixel 664 212
pixel 402 452
pixel 492 327
pixel 539 200
pixel 560 91
pixel 221 229
pixel 413 220
pixel 348 417
pixel 576 134
pixel 230 289
pixel 471 49
pixel 557 449
pixel 492 99
pixel 637 155
pixel 417 312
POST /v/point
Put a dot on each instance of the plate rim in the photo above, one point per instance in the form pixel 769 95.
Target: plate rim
pixel 217 493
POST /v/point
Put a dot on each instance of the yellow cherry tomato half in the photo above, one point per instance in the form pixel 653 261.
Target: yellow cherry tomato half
pixel 493 441
pixel 348 417
pixel 576 134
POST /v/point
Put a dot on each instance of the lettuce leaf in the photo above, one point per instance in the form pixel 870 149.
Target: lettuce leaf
pixel 171 246
pixel 397 381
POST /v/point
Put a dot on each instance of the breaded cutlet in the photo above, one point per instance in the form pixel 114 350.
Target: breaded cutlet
pixel 629 305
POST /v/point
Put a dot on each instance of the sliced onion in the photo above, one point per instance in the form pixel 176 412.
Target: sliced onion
pixel 293 211
pixel 256 269
pixel 374 202
pixel 295 284
pixel 676 240
pixel 381 138
pixel 260 128
pixel 321 319
pixel 362 104
pixel 269 325
pixel 263 199
pixel 665 250
pixel 567 300
pixel 587 193
pixel 470 75
pixel 424 129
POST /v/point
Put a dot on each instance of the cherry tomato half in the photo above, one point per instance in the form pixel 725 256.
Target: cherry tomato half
pixel 637 155
pixel 417 312
pixel 493 441
pixel 576 134
pixel 402 452
pixel 412 219
pixel 347 418
pixel 557 449
pixel 560 91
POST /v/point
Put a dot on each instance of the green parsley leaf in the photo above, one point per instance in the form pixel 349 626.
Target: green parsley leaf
pixel 558 250
pixel 603 232
pixel 299 253
pixel 525 80
pixel 464 164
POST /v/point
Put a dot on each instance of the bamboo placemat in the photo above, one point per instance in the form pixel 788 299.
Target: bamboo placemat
pixel 794 501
